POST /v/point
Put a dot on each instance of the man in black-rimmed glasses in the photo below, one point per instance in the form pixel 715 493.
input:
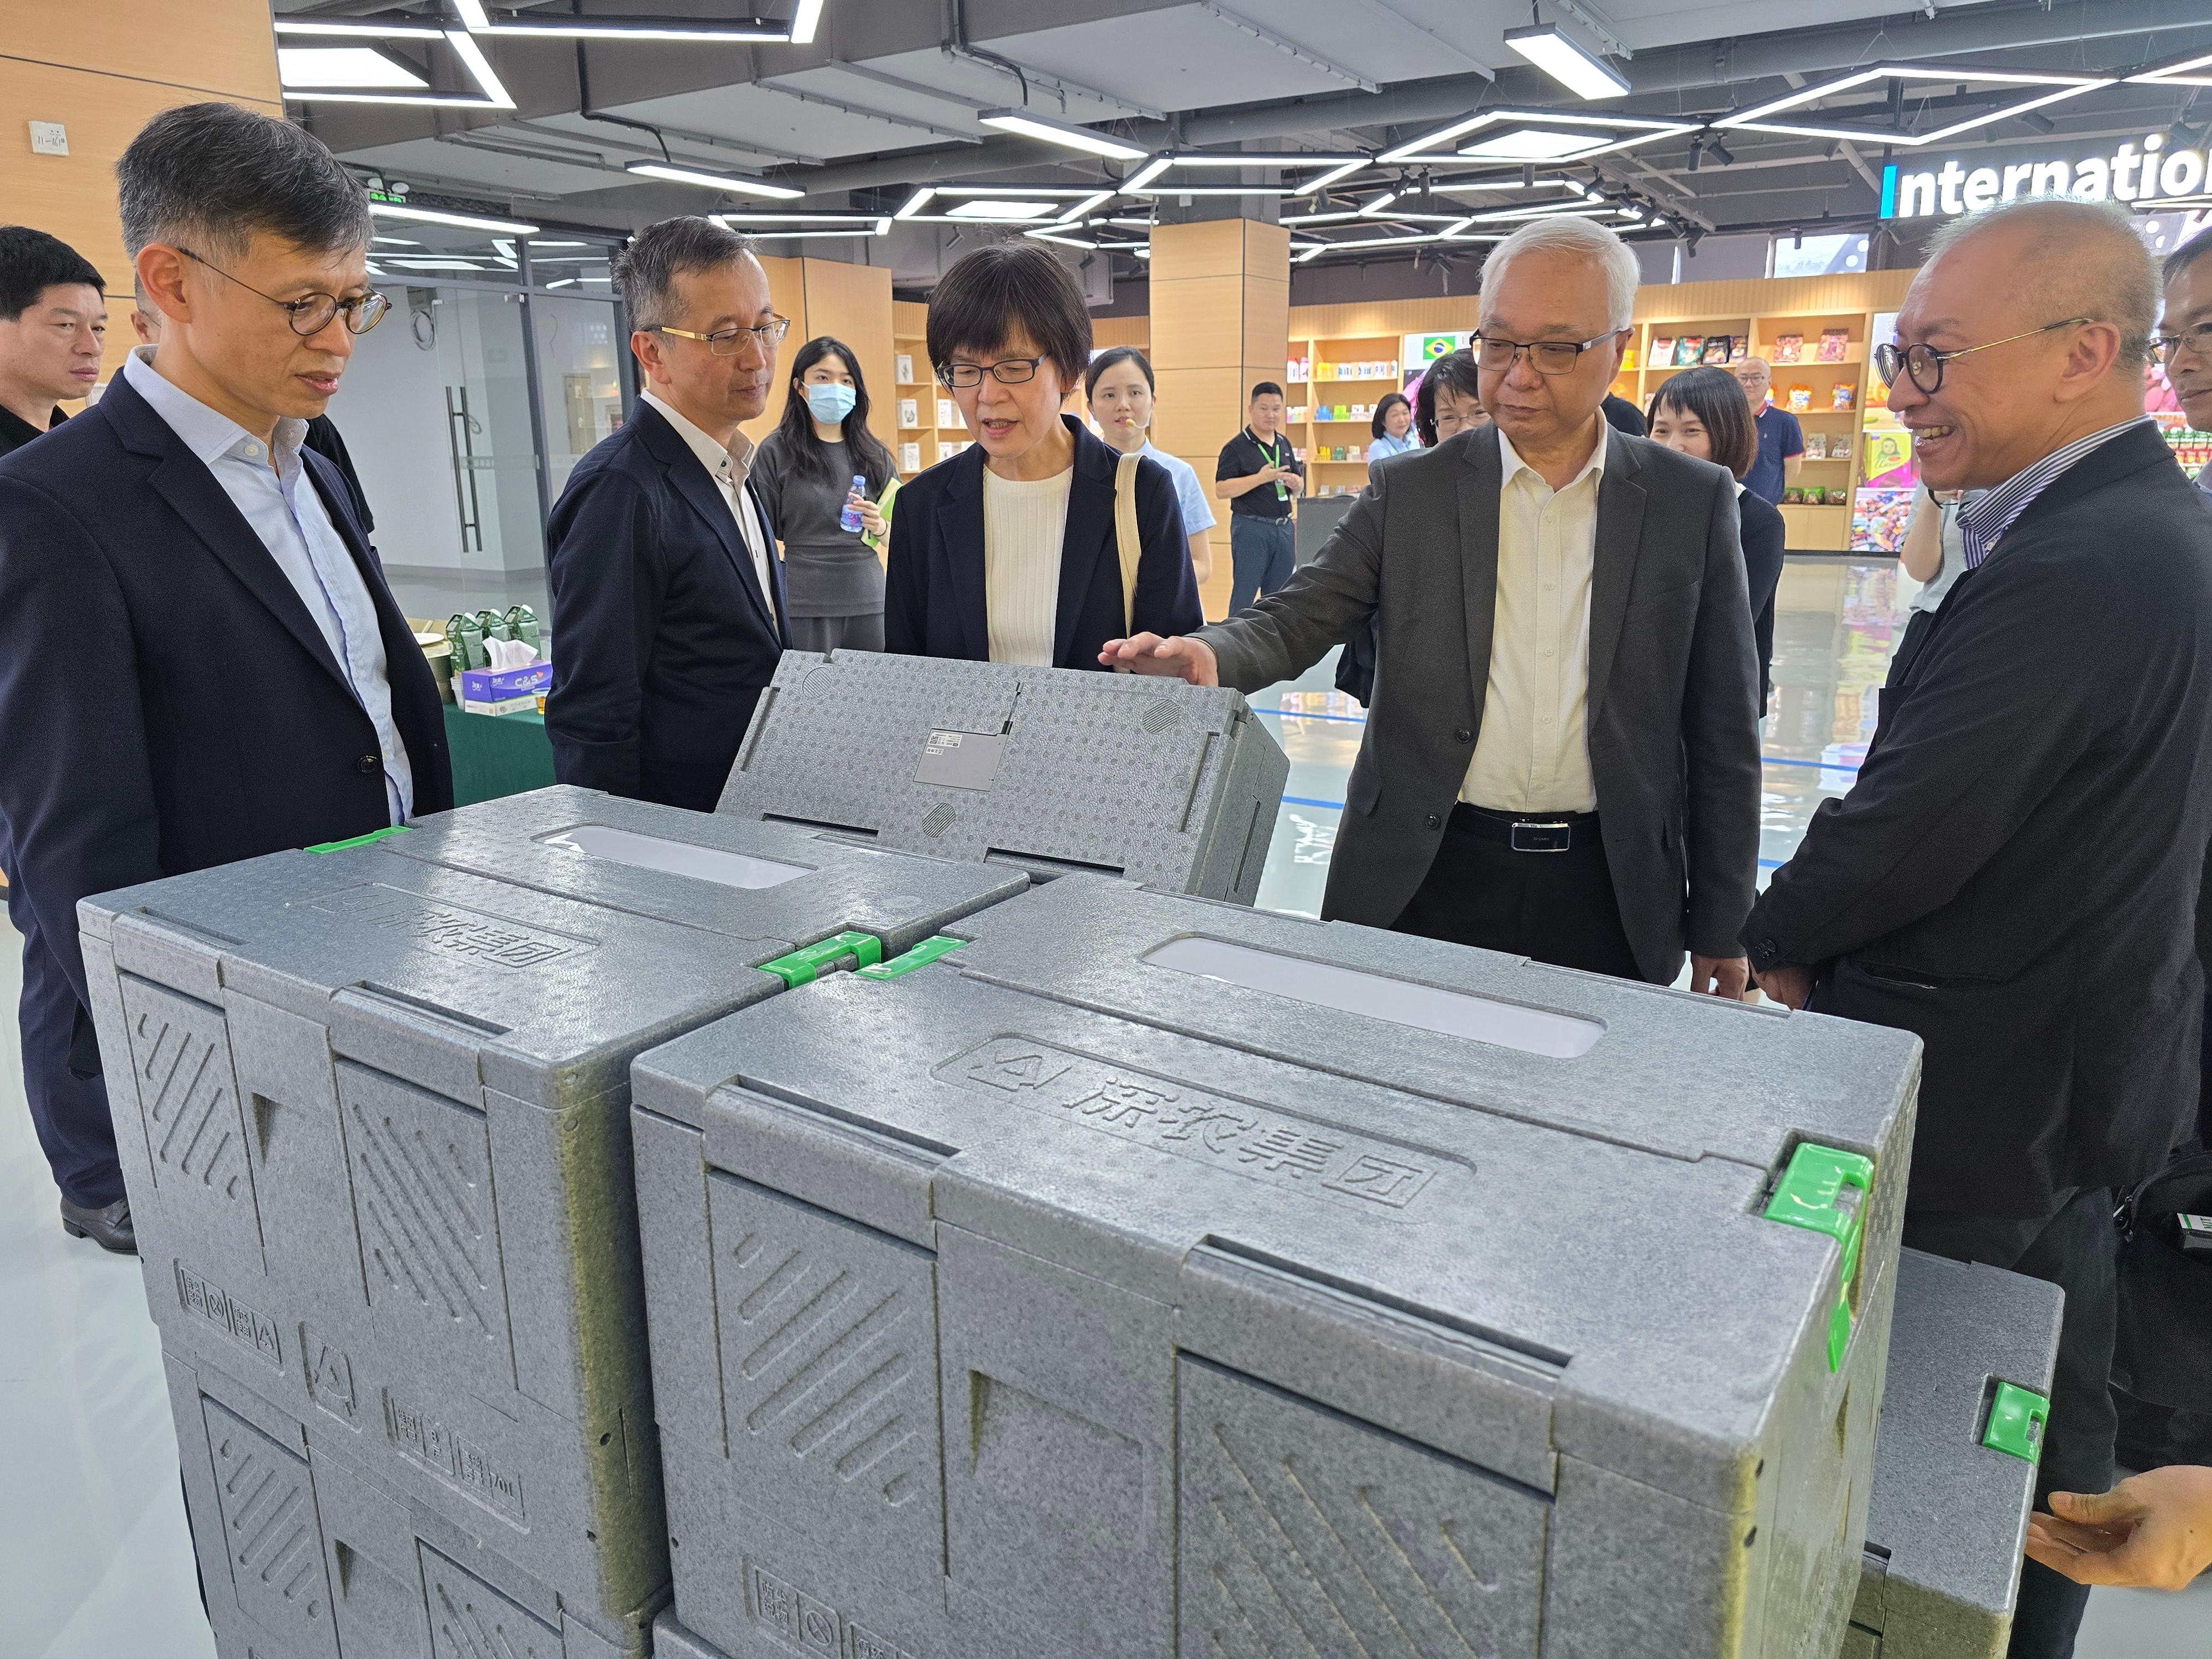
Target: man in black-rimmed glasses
pixel 1561 759
pixel 669 613
pixel 200 659
pixel 2014 874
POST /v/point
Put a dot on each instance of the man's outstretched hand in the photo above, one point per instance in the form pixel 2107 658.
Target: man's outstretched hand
pixel 1187 659
pixel 2153 1530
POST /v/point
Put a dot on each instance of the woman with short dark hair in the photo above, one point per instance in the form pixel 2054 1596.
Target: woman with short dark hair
pixel 803 469
pixel 1392 429
pixel 1448 400
pixel 1008 552
pixel 1703 412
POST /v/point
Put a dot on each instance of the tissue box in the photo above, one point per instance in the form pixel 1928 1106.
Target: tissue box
pixel 501 685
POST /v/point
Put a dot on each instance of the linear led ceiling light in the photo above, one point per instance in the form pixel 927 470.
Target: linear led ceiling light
pixel 805 18
pixel 1089 205
pixel 1334 167
pixel 1000 212
pixel 1060 237
pixel 465 48
pixel 2052 87
pixel 1066 134
pixel 359 31
pixel 466 221
pixel 303 68
pixel 684 175
pixel 914 203
pixel 1567 61
pixel 1566 135
pixel 2195 70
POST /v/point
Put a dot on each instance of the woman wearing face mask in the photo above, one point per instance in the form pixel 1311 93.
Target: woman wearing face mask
pixel 1118 385
pixel 1008 552
pixel 1704 413
pixel 803 471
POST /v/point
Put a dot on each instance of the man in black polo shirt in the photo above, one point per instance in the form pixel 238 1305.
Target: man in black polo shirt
pixel 53 318
pixel 1261 479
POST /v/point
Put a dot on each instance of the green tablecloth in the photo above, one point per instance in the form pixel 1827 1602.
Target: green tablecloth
pixel 496 755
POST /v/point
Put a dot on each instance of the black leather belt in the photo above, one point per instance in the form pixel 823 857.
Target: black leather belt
pixel 1528 832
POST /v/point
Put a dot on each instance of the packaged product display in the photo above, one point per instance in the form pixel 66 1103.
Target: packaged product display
pixel 372 1111
pixel 1971 1352
pixel 909 412
pixel 1127 1274
pixel 1800 399
pixel 1049 769
pixel 1835 344
pixel 1688 350
pixel 903 368
pixel 1787 349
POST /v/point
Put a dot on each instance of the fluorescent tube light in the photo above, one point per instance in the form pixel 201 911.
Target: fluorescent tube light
pixel 914 203
pixel 715 180
pixel 805 18
pixel 471 14
pixel 1054 236
pixel 466 221
pixel 563 27
pixel 1567 61
pixel 1329 177
pixel 1145 174
pixel 465 48
pixel 1064 133
pixel 1086 207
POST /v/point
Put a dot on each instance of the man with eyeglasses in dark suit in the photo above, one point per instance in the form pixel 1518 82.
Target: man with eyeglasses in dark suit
pixel 200 659
pixel 668 604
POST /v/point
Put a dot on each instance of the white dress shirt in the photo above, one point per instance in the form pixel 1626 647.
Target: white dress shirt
pixel 1532 754
pixel 282 510
pixel 1024 522
pixel 729 469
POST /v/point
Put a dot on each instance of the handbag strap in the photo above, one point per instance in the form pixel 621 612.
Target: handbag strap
pixel 1125 535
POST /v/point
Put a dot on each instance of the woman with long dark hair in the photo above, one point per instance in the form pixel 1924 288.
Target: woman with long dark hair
pixel 805 469
pixel 1703 412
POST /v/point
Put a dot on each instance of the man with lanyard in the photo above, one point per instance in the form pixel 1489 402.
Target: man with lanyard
pixel 1260 478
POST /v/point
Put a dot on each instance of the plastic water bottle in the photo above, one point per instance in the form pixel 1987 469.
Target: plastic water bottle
pixel 849 519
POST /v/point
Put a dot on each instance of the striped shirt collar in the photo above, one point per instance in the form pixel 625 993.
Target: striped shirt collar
pixel 1982 521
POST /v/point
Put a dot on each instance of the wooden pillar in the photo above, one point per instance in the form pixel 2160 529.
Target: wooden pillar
pixel 848 302
pixel 1220 321
pixel 103 70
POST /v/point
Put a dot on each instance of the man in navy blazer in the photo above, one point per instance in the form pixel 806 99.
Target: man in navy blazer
pixel 200 659
pixel 668 604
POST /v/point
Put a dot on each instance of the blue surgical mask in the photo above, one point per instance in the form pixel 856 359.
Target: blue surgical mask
pixel 829 403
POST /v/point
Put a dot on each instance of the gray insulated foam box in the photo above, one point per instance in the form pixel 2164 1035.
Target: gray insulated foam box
pixel 1972 1350
pixel 1150 1276
pixel 306 1554
pixel 1051 769
pixel 374 1110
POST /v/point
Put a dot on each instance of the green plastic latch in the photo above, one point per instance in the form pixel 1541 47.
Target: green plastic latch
pixel 2016 1419
pixel 802 967
pixel 370 839
pixel 1805 1197
pixel 920 956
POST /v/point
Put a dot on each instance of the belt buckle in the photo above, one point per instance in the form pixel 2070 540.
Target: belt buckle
pixel 1543 837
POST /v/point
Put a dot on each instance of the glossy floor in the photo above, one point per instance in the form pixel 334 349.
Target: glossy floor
pixel 94 1562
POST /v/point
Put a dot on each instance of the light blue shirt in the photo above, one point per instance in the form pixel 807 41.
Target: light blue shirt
pixel 1386 445
pixel 1197 513
pixel 280 507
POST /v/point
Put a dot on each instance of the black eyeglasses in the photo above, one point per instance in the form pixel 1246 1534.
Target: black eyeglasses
pixel 2197 341
pixel 729 342
pixel 1923 364
pixel 1011 372
pixel 311 314
pixel 1546 356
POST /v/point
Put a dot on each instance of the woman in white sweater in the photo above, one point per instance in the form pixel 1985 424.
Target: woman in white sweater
pixel 1007 552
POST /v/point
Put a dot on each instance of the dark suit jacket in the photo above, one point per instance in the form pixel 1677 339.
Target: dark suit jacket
pixel 1674 686
pixel 2014 874
pixel 661 638
pixel 169 704
pixel 1764 537
pixel 934 595
pixel 1622 416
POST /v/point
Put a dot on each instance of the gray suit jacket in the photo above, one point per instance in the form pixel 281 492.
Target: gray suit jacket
pixel 1673 681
